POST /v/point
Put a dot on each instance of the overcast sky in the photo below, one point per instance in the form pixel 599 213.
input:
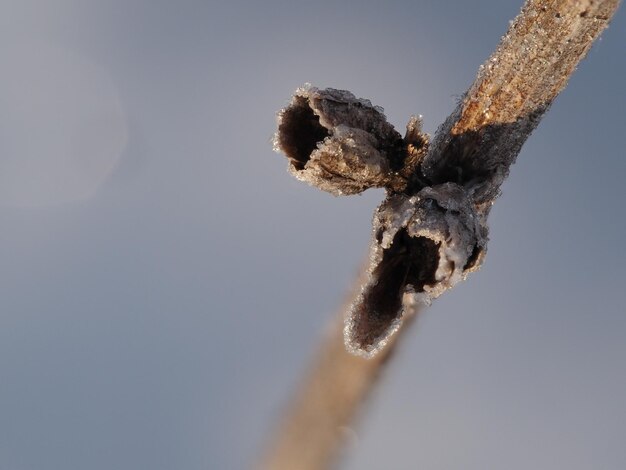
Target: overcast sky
pixel 163 280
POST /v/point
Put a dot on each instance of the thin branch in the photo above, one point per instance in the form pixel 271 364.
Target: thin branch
pixel 318 421
pixel 513 89
pixel 431 230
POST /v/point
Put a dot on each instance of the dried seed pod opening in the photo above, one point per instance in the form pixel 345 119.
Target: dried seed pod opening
pixel 299 132
pixel 408 265
pixel 340 143
pixel 422 246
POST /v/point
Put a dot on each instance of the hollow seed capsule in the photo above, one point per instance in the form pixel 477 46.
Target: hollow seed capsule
pixel 343 144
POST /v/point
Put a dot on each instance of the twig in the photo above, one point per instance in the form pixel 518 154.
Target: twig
pixel 317 423
pixel 431 230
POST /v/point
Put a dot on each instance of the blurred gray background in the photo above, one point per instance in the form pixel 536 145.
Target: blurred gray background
pixel 163 280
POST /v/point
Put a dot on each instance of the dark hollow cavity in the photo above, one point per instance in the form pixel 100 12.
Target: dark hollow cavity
pixel 299 132
pixel 410 261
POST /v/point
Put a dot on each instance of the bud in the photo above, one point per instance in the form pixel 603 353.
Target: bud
pixel 343 144
pixel 423 245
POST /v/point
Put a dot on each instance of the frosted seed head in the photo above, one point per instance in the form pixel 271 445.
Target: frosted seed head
pixel 342 144
pixel 422 246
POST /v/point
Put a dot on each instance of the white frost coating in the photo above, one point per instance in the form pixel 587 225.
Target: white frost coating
pixel 411 303
pixel 399 216
pixel 370 350
pixel 459 232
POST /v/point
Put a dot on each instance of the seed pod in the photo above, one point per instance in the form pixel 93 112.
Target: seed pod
pixel 423 245
pixel 343 144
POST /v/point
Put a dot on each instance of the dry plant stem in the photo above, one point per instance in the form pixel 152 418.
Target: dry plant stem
pixel 473 149
pixel 317 424
pixel 513 89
